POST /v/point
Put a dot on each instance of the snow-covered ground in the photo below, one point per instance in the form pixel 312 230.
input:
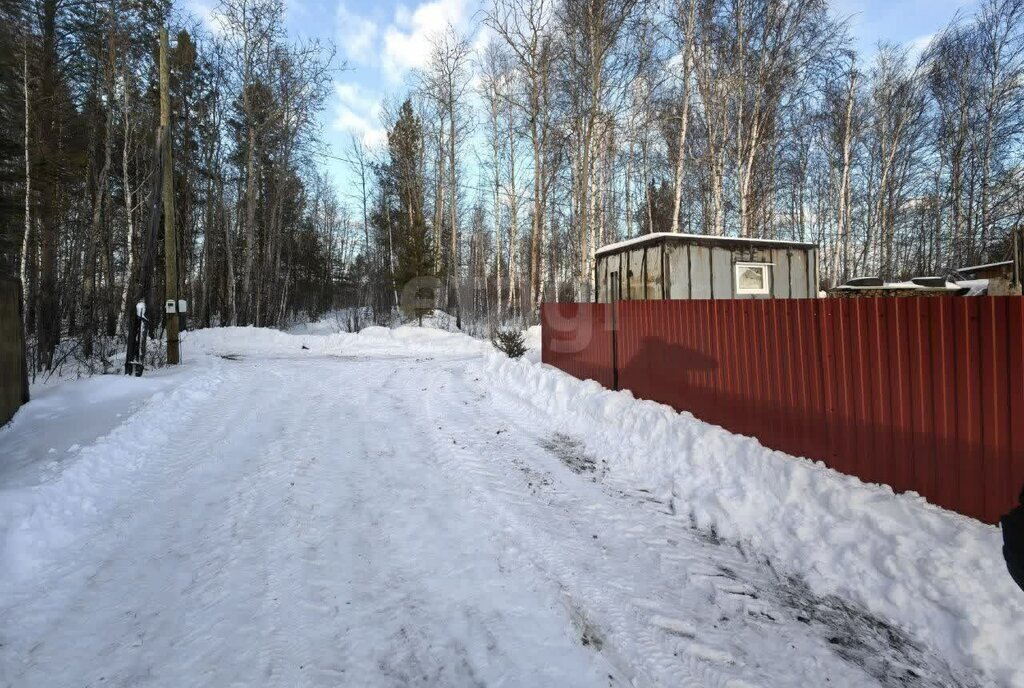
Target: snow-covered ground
pixel 407 507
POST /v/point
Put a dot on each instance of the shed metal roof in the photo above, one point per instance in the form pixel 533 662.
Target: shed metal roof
pixel 971 268
pixel 700 239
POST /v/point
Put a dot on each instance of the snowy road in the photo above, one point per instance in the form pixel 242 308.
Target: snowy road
pixel 333 519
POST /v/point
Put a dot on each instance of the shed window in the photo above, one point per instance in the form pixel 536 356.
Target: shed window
pixel 752 278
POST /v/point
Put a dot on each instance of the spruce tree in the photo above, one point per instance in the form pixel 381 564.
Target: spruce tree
pixel 403 234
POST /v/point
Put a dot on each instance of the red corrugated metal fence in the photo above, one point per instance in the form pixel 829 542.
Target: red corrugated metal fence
pixel 924 394
pixel 577 338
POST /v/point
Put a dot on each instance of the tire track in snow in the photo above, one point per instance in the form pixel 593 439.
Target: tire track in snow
pixel 426 608
pixel 675 553
pixel 581 594
pixel 866 642
pixel 131 574
pixel 472 572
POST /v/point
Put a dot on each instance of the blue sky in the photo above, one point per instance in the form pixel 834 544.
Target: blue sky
pixel 382 41
pixel 911 22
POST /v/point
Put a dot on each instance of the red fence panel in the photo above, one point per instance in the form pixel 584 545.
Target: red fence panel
pixel 577 338
pixel 918 393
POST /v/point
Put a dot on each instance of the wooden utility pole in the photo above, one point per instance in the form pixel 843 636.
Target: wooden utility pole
pixel 170 238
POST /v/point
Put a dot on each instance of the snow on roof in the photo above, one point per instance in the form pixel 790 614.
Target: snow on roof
pixel 656 236
pixel 950 286
pixel 978 287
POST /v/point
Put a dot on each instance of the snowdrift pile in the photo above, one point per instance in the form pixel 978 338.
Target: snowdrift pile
pixel 401 341
pixel 941 575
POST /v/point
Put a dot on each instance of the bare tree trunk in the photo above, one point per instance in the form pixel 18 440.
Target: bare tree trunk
pixel 601 191
pixel 589 211
pixel 250 224
pixel 99 200
pixel 628 183
pixel 438 203
pixel 391 255
pixel 844 183
pixel 537 235
pixel 23 270
pixel 203 311
pixel 586 197
pixel 717 191
pixel 455 267
pixel 361 160
pixel 100 197
pixel 128 203
pixel 229 255
pixel 48 313
pixel 645 177
pixel 684 115
pixel 513 230
pixel 497 232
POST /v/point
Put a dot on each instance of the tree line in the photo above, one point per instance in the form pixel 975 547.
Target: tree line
pixel 557 126
pixel 550 128
pixel 258 227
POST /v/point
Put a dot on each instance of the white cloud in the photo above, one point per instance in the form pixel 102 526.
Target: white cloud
pixel 206 13
pixel 358 112
pixel 357 35
pixel 483 38
pixel 917 46
pixel 407 41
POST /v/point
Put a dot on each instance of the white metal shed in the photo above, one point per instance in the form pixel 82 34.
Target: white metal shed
pixel 664 266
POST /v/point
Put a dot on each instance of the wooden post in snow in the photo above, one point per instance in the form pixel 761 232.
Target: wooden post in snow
pixel 170 238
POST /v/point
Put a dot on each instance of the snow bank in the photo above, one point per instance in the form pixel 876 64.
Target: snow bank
pixel 533 344
pixel 939 574
pixel 37 520
pixel 405 340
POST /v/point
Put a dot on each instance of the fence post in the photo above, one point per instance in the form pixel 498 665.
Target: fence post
pixel 1018 261
pixel 614 310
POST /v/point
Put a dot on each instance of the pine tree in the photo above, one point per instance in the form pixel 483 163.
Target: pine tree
pixel 401 226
